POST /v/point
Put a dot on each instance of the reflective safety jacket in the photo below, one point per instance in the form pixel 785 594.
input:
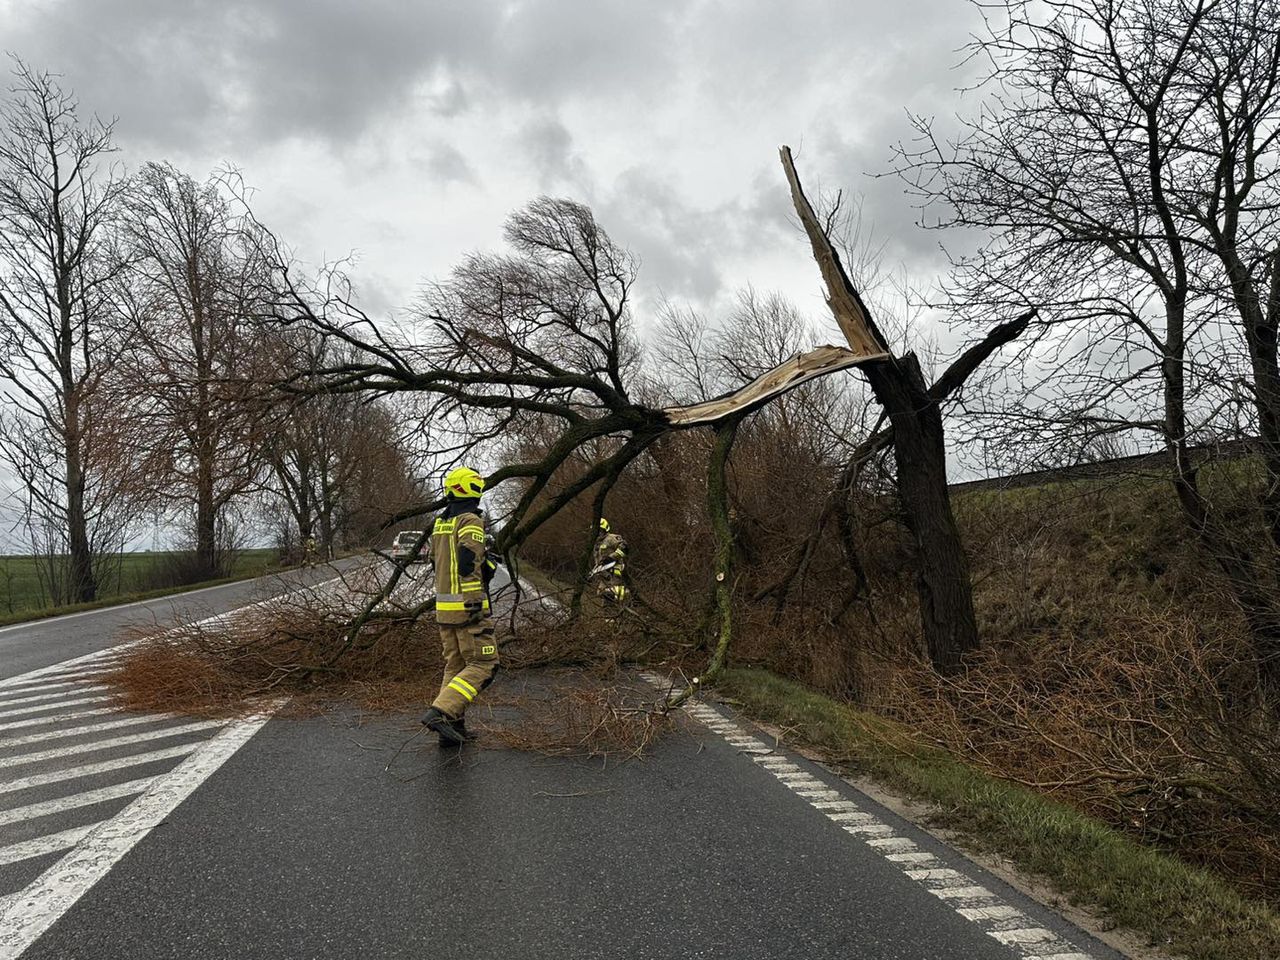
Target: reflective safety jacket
pixel 457 550
pixel 611 548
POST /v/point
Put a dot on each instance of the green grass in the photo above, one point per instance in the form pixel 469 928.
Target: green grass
pixel 1176 905
pixel 22 597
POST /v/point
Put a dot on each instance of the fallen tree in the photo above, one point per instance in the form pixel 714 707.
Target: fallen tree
pixel 543 336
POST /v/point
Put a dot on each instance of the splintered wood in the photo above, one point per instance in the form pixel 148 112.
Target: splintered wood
pixel 846 306
pixel 865 342
pixel 786 376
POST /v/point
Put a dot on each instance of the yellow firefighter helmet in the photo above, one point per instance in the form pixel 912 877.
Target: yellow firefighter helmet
pixel 463 482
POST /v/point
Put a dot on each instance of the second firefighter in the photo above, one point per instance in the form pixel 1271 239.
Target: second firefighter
pixel 610 566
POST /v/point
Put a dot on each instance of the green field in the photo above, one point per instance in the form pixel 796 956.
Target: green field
pixel 128 577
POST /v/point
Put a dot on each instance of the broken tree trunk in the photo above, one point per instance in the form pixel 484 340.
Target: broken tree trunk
pixel 942 571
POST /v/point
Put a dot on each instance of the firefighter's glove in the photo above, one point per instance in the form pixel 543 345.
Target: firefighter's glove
pixel 474 610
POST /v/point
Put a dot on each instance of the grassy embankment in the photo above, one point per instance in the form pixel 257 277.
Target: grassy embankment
pixel 22 597
pixel 1072 582
pixel 1184 908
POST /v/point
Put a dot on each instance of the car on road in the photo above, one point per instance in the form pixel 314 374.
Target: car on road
pixel 402 545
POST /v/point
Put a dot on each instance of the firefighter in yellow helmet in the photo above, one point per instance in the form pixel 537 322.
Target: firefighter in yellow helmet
pixel 609 566
pixel 462 572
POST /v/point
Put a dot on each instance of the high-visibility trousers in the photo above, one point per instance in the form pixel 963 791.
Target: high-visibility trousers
pixel 470 661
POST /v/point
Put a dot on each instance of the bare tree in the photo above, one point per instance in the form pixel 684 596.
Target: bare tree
pixel 193 357
pixel 337 461
pixel 1125 160
pixel 58 335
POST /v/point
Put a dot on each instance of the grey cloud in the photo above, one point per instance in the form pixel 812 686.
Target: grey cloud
pixel 218 73
pixel 210 72
pixel 604 100
pixel 547 146
pixel 446 164
pixel 684 248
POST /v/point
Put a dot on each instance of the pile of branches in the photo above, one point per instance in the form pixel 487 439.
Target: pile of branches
pixel 563 716
pixel 302 649
pixel 287 650
pixel 1159 729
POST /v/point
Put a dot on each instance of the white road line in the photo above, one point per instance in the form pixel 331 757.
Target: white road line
pixel 81 671
pixel 92 769
pixel 945 873
pixel 963 893
pixel 47 697
pixel 86 799
pixel 46 679
pixel 41 846
pixel 851 816
pixel 68 732
pixel 122 741
pixel 997 911
pixel 50 683
pixel 893 845
pixel 37 907
pixel 55 718
pixel 30 711
pixel 953 888
pixel 917 858
pixel 873 829
pixel 1023 935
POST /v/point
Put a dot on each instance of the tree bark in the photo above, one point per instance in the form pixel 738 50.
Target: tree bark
pixel 718 511
pixel 947 617
pixel 945 592
pixel 82 585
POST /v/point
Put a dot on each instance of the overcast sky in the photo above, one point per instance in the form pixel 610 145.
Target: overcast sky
pixel 407 131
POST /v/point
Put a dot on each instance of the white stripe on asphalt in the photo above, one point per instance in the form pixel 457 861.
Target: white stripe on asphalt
pixel 80 672
pixel 19 713
pixel 46 677
pixel 46 697
pixel 37 907
pixel 92 769
pixel 27 914
pixel 953 888
pixel 1024 935
pixel 76 800
pixel 56 718
pixel 50 683
pixel 41 846
pixel 67 733
pixel 122 741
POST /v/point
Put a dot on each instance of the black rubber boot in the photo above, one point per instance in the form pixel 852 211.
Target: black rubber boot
pixel 437 720
pixel 460 726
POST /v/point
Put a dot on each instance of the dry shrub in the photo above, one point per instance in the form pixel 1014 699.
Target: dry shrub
pixel 1159 730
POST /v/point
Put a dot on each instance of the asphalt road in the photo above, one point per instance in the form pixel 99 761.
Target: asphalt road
pixel 297 841
pixel 27 646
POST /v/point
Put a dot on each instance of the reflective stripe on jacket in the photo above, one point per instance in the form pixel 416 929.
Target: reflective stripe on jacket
pixel 457 549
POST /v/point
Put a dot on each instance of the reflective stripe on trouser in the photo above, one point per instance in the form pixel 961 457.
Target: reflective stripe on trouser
pixel 470 661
